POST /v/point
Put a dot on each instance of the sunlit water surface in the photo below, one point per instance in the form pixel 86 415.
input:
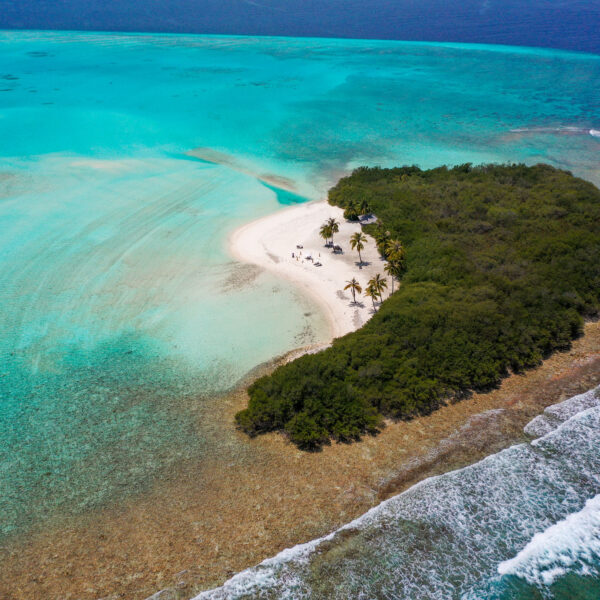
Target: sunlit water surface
pixel 126 161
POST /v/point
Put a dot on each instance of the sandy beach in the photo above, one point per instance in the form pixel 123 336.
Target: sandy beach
pixel 271 243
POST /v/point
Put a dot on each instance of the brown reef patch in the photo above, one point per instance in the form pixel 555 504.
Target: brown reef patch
pixel 253 497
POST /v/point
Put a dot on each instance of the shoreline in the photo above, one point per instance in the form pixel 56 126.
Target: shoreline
pixel 251 498
pixel 270 241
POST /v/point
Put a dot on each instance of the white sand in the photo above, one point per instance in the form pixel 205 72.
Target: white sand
pixel 270 241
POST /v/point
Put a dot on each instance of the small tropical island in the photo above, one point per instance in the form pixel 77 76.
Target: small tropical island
pixel 497 267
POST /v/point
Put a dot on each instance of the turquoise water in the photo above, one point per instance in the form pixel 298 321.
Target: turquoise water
pixel 523 524
pixel 126 161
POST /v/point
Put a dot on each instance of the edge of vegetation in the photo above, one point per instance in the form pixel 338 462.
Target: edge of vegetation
pixel 500 265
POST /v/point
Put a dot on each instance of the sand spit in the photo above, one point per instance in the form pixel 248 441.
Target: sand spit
pixel 272 243
pixel 231 162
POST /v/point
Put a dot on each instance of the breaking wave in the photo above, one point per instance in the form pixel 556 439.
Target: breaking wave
pixel 563 130
pixel 505 527
pixel 573 543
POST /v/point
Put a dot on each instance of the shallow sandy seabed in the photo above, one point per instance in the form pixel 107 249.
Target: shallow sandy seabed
pixel 202 522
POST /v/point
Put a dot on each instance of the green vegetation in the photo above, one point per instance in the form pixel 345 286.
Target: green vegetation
pixel 354 209
pixel 500 265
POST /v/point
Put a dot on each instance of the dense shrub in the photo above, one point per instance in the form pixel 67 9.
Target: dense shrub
pixel 503 264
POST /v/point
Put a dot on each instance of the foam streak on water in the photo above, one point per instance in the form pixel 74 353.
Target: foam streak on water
pixel 525 521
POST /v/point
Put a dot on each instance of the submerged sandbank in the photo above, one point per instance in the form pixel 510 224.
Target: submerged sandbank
pixel 272 243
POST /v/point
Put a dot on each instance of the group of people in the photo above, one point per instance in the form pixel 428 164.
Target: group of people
pixel 298 256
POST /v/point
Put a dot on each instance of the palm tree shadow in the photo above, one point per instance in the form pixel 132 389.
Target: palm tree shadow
pixel 364 263
pixel 357 304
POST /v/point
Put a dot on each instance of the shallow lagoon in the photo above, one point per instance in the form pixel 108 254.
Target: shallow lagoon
pixel 126 160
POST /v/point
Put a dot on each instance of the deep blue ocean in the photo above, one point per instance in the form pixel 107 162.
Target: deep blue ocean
pixel 566 24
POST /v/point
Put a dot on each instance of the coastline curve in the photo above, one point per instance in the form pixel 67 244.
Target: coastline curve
pixel 271 243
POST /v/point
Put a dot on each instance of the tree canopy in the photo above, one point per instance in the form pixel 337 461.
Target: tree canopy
pixel 502 264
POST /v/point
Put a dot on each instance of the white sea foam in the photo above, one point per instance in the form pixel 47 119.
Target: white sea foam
pixel 595 132
pixel 556 414
pixel 265 575
pixel 486 511
pixel 562 130
pixel 571 544
pixel 540 425
pixel 571 407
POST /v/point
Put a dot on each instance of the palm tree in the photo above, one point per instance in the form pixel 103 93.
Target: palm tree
pixel 394 247
pixel 364 207
pixel 390 268
pixel 396 264
pixel 393 269
pixel 355 287
pixel 352 211
pixel 325 232
pixel 357 241
pixel 334 227
pixel 382 238
pixel 371 292
pixel 378 283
